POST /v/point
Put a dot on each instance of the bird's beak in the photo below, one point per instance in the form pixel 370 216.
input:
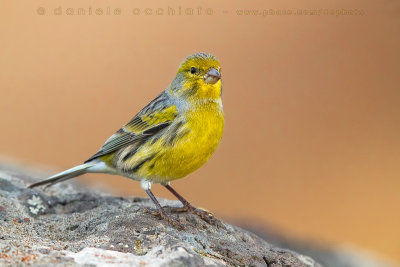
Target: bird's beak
pixel 212 76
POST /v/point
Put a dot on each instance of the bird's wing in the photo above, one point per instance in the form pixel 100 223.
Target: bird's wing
pixel 152 119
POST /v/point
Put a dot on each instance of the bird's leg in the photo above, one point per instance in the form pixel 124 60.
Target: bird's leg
pixel 162 212
pixel 206 216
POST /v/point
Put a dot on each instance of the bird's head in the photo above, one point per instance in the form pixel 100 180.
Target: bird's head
pixel 198 78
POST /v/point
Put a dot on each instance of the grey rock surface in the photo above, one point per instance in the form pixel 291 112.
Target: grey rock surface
pixel 69 225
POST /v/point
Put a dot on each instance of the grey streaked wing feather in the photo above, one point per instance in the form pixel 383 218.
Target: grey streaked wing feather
pixel 161 101
pixel 122 138
pixel 115 142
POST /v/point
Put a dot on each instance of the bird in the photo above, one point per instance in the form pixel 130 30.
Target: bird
pixel 171 137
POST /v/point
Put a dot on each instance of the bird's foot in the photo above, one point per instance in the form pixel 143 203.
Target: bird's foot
pixel 204 215
pixel 174 222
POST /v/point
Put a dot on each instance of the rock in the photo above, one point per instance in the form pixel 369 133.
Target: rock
pixel 69 225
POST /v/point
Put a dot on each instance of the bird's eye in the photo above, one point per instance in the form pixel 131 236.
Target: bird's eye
pixel 193 70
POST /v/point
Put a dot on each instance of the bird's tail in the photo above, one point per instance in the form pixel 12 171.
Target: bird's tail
pixel 65 175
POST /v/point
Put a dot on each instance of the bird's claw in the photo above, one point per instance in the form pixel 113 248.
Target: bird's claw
pixel 204 215
pixel 174 222
pixel 164 216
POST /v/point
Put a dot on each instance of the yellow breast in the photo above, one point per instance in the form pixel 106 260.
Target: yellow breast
pixel 199 135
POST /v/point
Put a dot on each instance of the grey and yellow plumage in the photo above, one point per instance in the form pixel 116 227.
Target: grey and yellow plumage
pixel 170 137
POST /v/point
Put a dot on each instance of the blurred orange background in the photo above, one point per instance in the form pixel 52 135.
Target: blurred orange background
pixel 311 143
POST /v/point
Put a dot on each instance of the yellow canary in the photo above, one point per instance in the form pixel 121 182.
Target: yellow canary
pixel 172 136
